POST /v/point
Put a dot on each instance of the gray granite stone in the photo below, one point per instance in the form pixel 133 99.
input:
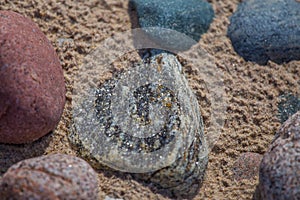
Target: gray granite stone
pixel 146 121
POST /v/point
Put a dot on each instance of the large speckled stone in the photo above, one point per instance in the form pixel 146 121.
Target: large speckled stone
pixel 52 177
pixel 191 18
pixel 144 120
pixel 279 177
pixel 266 30
pixel 32 89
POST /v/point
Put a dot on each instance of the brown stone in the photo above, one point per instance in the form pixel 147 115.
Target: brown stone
pixel 32 89
pixel 247 166
pixel 279 176
pixel 55 176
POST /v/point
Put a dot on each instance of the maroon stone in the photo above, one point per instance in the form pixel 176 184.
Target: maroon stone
pixel 52 177
pixel 32 89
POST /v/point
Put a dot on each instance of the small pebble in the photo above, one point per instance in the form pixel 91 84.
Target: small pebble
pixel 32 88
pixel 55 176
pixel 266 30
pixel 247 166
pixel 279 177
pixel 192 19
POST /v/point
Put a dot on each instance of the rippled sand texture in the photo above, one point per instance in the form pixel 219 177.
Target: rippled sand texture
pixel 76 27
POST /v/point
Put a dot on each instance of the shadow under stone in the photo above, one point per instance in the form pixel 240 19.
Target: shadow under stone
pixel 109 173
pixel 256 194
pixel 12 153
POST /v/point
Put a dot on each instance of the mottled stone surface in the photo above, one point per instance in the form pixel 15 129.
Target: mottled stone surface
pixel 192 19
pixel 52 177
pixel 246 166
pixel 279 176
pixel 32 89
pixel 289 104
pixel 145 121
pixel 110 198
pixel 266 30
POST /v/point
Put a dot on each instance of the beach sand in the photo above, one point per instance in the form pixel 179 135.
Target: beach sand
pixel 75 28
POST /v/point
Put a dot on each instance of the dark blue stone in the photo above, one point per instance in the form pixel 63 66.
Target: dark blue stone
pixel 262 30
pixel 189 17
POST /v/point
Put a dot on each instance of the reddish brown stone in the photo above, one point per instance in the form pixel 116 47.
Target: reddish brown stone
pixel 247 166
pixel 51 177
pixel 279 174
pixel 32 89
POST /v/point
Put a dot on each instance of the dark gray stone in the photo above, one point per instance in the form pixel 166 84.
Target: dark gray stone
pixel 191 18
pixel 146 121
pixel 279 176
pixel 289 104
pixel 266 30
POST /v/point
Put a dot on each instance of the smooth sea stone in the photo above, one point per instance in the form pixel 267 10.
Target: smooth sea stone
pixel 191 18
pixel 266 30
pixel 52 177
pixel 32 88
pixel 145 121
pixel 279 176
